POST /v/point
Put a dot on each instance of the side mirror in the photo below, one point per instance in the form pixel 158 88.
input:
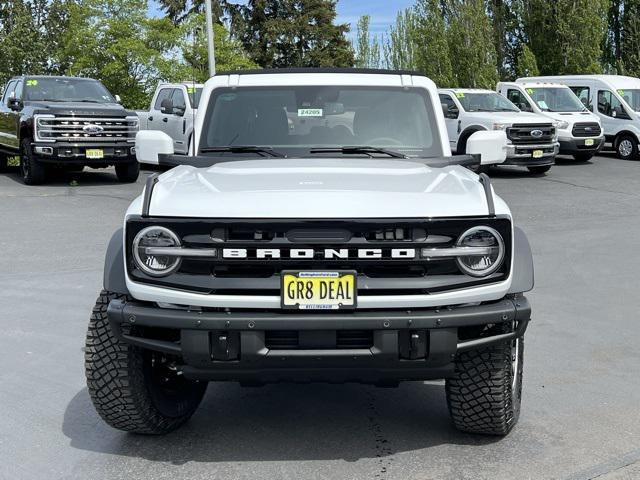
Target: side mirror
pixel 449 111
pixel 118 99
pixel 491 146
pixel 152 143
pixel 13 103
pixel 166 107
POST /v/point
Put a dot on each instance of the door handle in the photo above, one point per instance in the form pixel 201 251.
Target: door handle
pixel 151 119
pixel 165 119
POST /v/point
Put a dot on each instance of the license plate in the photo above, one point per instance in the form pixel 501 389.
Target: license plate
pixel 95 154
pixel 589 142
pixel 319 290
pixel 537 154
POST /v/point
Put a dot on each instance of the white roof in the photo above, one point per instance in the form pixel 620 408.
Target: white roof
pixel 466 90
pixel 613 81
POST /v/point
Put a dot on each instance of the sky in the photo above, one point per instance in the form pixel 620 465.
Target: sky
pixel 383 13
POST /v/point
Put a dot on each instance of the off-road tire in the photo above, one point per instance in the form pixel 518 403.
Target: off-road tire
pixel 483 396
pixel 627 147
pixel 539 170
pixel 584 157
pixel 33 172
pixel 123 387
pixel 128 172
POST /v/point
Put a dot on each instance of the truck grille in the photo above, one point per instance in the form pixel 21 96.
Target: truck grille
pixel 262 277
pixel 589 129
pixel 87 129
pixel 531 134
pixel 310 339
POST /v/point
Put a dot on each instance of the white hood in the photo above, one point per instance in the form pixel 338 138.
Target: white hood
pixel 510 117
pixel 319 188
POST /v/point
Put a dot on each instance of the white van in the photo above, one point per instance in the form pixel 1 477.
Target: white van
pixel 579 130
pixel 615 99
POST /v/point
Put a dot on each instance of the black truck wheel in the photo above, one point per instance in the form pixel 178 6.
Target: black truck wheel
pixel 627 147
pixel 133 389
pixel 539 170
pixel 33 172
pixel 128 172
pixel 485 393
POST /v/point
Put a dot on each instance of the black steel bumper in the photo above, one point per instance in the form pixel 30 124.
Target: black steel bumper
pixel 406 345
pixel 572 146
pixel 69 153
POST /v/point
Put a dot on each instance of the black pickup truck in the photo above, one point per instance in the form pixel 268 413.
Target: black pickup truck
pixel 68 123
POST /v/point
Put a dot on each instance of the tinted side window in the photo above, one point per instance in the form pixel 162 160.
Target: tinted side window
pixel 583 93
pixel 517 97
pixel 164 94
pixel 178 99
pixel 448 106
pixel 609 105
pixel 7 92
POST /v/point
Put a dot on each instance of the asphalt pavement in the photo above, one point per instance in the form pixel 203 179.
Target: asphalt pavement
pixel 580 417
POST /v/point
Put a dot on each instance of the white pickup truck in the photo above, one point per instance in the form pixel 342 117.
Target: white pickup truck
pixel 173 111
pixel 532 139
pixel 579 131
pixel 321 232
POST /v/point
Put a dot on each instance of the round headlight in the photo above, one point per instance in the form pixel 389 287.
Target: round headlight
pixel 155 265
pixel 486 251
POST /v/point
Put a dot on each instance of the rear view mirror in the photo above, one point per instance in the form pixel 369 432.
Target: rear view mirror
pixel 490 146
pixel 166 107
pixel 152 143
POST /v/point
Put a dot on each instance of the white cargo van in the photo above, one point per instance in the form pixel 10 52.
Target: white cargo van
pixel 616 101
pixel 579 130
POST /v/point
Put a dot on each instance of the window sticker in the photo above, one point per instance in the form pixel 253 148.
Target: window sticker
pixel 191 90
pixel 32 83
pixel 543 105
pixel 460 94
pixel 530 91
pixel 310 112
pixel 621 93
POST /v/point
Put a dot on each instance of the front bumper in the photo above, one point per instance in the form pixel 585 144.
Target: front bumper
pixel 71 153
pixel 232 345
pixel 522 155
pixel 571 146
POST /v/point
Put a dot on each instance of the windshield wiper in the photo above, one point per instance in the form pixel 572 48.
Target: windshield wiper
pixel 263 151
pixel 354 150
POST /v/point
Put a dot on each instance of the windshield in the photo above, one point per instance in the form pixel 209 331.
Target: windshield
pixel 195 93
pixel 552 99
pixel 299 120
pixel 67 90
pixel 632 97
pixel 485 102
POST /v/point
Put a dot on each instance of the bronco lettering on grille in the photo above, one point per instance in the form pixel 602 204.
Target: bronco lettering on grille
pixel 326 254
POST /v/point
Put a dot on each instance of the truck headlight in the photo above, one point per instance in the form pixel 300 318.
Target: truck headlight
pixel 155 265
pixel 500 126
pixel 562 125
pixel 488 244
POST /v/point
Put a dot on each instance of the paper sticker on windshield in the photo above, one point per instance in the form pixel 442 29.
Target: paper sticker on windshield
pixel 460 94
pixel 191 90
pixel 530 91
pixel 621 93
pixel 543 105
pixel 310 112
pixel 32 83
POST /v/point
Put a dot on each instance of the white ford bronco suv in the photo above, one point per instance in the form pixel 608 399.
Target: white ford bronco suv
pixel 532 138
pixel 322 232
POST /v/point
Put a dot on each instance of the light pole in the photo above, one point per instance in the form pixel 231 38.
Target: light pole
pixel 210 45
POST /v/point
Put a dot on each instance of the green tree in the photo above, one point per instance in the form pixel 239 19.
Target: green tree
pixel 367 49
pixel 527 65
pixel 629 63
pixel 566 36
pixel 399 48
pixel 292 33
pixel 471 44
pixel 431 51
pixel 30 37
pixel 179 10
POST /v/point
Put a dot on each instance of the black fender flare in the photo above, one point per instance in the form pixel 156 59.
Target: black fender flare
pixel 523 271
pixel 114 279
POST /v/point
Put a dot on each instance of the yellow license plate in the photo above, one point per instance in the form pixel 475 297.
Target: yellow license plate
pixel 95 154
pixel 319 290
pixel 537 154
pixel 589 142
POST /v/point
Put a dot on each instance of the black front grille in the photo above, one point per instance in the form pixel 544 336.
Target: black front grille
pixel 263 276
pixel 587 129
pixel 531 134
